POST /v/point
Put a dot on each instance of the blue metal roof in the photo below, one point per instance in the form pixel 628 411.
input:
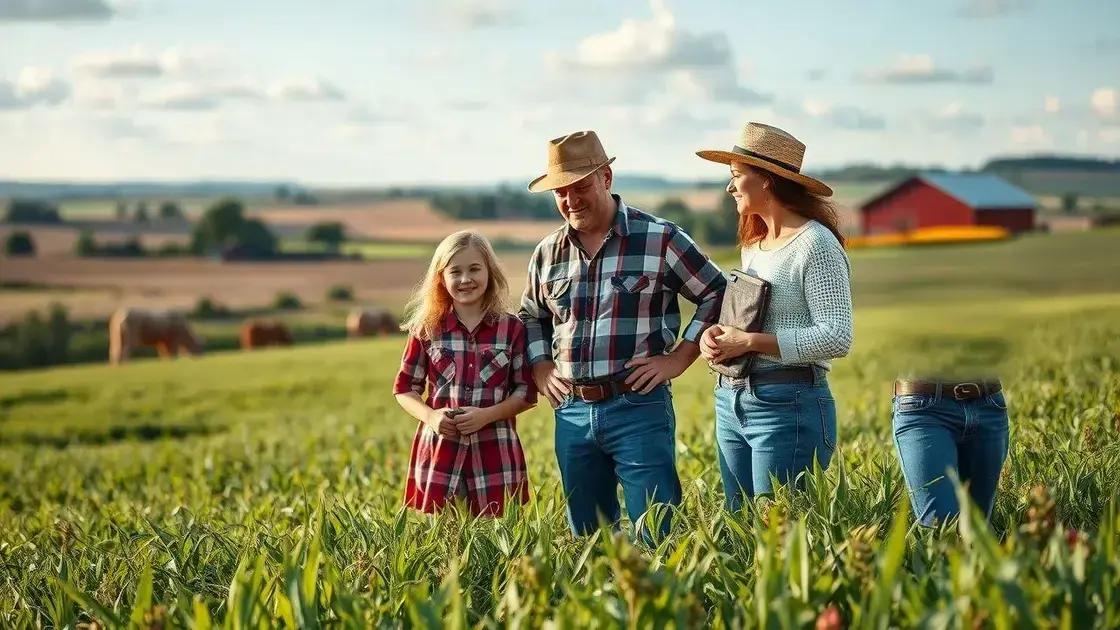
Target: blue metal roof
pixel 980 190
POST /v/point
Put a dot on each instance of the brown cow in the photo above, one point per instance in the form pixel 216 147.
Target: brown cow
pixel 169 333
pixel 367 322
pixel 257 333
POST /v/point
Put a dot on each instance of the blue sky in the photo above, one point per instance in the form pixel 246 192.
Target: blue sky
pixel 342 92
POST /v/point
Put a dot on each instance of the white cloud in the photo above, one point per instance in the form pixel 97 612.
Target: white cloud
pixel 135 62
pixel 54 10
pixel 139 62
pixel 654 56
pixel 992 8
pixel 913 69
pixel 846 117
pixel 656 43
pixel 1052 104
pixel 122 128
pixel 955 117
pixel 1104 102
pixel 305 89
pixel 476 14
pixel 192 96
pixel 1030 136
pixel 35 86
pixel 712 85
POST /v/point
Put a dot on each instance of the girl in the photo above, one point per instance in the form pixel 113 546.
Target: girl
pixel 776 420
pixel 469 352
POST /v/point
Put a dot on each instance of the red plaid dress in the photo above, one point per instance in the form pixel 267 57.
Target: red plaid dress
pixel 462 368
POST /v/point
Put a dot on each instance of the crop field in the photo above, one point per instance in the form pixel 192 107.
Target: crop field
pixel 251 490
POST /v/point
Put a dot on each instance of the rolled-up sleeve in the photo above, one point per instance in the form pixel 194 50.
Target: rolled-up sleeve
pixel 535 314
pixel 698 279
pixel 520 373
pixel 828 293
pixel 413 374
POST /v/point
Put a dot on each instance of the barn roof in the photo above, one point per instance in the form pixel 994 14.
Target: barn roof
pixel 978 190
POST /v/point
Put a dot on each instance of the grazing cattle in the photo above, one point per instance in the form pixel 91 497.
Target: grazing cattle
pixel 169 333
pixel 369 322
pixel 257 333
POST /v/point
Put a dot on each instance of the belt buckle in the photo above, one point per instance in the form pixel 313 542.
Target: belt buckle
pixel 961 391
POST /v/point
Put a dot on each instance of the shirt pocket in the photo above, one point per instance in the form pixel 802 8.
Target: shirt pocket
pixel 558 296
pixel 443 364
pixel 494 365
pixel 632 295
pixel 631 283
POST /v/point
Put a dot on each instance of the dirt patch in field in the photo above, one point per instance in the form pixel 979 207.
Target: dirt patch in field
pixel 402 220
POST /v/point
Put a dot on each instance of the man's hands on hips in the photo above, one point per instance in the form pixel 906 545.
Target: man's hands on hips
pixel 649 372
pixel 549 383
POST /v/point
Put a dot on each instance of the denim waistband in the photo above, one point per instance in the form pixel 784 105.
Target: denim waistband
pixel 820 377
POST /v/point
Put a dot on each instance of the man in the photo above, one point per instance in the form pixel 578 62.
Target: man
pixel 603 317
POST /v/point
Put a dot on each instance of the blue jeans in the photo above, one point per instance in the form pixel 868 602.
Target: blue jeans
pixel 629 439
pixel 935 434
pixel 771 430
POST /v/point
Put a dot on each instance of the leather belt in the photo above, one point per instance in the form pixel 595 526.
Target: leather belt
pixel 962 390
pixel 801 374
pixel 598 392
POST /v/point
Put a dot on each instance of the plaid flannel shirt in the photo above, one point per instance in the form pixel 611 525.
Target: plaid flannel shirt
pixel 462 368
pixel 592 315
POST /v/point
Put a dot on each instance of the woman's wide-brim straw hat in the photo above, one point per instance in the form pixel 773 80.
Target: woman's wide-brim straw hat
pixel 770 149
pixel 570 159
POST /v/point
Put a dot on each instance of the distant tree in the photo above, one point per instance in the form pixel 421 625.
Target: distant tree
pixel 340 293
pixel 1069 202
pixel 223 228
pixel 330 233
pixel 304 198
pixel 218 227
pixel 720 227
pixel 141 215
pixel 58 333
pixel 283 193
pixel 170 210
pixel 206 308
pixel 122 211
pixel 32 211
pixel 40 342
pixel 255 239
pixel 19 244
pixel 676 210
pixel 286 300
pixel 86 245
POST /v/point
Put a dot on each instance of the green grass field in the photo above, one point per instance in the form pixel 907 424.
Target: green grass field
pixel 259 489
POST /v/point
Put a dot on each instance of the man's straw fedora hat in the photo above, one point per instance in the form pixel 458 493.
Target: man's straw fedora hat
pixel 570 159
pixel 771 149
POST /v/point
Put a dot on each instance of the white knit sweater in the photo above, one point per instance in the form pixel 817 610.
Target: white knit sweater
pixel 810 297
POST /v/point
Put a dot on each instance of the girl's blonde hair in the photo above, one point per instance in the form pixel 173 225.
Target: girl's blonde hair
pixel 431 302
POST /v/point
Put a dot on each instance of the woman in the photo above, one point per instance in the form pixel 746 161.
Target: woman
pixel 772 423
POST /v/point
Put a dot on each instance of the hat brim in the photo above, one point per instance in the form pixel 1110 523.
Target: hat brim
pixel 815 186
pixel 552 181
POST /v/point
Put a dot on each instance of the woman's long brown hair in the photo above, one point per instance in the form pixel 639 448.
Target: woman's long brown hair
pixel 793 197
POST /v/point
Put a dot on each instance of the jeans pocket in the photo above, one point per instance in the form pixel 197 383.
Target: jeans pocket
pixel 909 403
pixel 776 394
pixel 997 400
pixel 658 396
pixel 828 422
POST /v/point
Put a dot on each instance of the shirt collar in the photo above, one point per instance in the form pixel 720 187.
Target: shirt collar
pixel 451 321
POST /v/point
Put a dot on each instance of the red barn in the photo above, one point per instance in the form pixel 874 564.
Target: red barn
pixel 933 199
